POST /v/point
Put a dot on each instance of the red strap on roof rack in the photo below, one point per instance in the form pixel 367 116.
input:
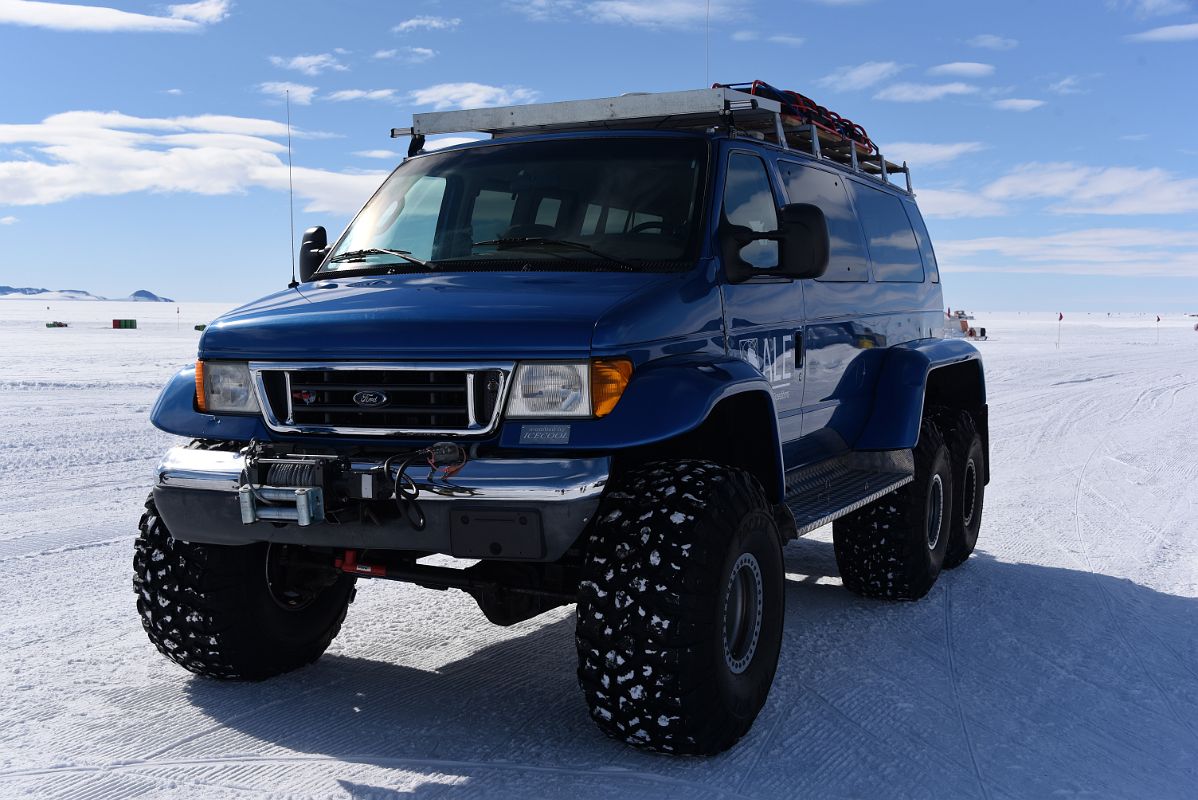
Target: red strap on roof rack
pixel 807 112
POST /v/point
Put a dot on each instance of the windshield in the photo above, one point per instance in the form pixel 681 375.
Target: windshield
pixel 572 203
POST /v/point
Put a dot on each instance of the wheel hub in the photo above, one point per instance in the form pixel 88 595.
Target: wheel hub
pixel 970 491
pixel 742 613
pixel 935 511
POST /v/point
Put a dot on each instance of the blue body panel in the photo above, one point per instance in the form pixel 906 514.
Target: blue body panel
pixel 902 380
pixel 822 352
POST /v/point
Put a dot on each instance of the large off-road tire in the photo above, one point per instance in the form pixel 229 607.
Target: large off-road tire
pixel 894 548
pixel 969 484
pixel 210 609
pixel 680 607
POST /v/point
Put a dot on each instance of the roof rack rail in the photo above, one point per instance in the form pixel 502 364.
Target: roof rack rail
pixel 756 113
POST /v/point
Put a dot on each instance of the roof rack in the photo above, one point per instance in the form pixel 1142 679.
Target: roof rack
pixel 740 113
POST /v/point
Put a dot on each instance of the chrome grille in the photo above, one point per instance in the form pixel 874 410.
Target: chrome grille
pixel 381 399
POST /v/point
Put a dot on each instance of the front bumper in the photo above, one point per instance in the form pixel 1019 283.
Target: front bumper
pixel 505 509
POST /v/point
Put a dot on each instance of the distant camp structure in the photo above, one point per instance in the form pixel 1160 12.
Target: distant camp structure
pixel 124 324
pixel 56 324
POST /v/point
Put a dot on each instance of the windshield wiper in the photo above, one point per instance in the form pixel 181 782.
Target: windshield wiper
pixel 533 241
pixel 360 255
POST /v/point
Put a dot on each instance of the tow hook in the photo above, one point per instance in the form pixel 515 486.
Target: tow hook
pixel 349 563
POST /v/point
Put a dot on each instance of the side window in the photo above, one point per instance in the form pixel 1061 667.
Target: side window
pixel 547 211
pixel 925 243
pixel 848 260
pixel 892 246
pixel 749 202
pixel 411 226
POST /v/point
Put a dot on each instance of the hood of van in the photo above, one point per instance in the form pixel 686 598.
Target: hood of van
pixel 473 315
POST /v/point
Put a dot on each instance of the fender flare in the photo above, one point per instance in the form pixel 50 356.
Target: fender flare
pixel 175 412
pixel 664 400
pixel 902 387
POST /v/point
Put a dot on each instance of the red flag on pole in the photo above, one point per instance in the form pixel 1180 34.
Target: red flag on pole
pixel 1158 317
pixel 1060 316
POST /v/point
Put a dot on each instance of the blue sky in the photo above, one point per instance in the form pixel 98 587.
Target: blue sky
pixel 1053 144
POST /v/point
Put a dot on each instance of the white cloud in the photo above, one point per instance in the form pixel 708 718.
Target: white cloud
pixel 956 203
pixel 427 23
pixel 1136 252
pixel 206 12
pixel 1169 33
pixel 378 154
pixel 789 41
pixel 658 14
pixel 924 153
pixel 923 92
pixel 1070 84
pixel 362 94
pixel 445 96
pixel 962 69
pixel 1098 190
pixel 745 36
pixel 411 55
pixel 89 153
pixel 174 92
pixel 310 65
pixel 182 18
pixel 1151 8
pixel 861 76
pixel 9 220
pixel 990 41
pixel 441 142
pixel 1019 104
pixel 301 95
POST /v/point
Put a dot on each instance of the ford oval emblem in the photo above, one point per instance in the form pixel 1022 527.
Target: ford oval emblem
pixel 370 399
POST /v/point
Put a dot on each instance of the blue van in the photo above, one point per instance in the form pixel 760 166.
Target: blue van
pixel 616 355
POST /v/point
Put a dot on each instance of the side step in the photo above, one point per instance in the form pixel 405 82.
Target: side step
pixel 821 493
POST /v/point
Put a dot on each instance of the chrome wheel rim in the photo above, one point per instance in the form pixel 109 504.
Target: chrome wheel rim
pixel 742 613
pixel 970 489
pixel 935 511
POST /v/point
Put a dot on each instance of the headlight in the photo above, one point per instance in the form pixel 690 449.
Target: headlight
pixel 581 389
pixel 225 387
pixel 550 390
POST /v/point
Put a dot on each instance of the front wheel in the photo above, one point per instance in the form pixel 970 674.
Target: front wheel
pixel 680 608
pixel 233 612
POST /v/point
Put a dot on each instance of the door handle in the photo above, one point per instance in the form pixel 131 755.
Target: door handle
pixel 798 349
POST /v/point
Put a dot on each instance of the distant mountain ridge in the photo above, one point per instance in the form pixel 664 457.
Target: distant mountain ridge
pixel 30 293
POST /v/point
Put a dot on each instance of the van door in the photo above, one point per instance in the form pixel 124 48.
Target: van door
pixel 838 334
pixel 763 316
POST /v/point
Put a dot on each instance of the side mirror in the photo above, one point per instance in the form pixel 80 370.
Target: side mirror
pixel 803 245
pixel 313 248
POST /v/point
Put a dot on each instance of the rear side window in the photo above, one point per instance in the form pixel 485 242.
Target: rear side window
pixel 925 243
pixel 848 260
pixel 892 245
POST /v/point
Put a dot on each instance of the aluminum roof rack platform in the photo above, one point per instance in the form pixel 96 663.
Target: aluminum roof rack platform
pixel 721 107
pixel 698 108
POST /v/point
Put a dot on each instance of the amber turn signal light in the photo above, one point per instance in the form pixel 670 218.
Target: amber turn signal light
pixel 609 378
pixel 201 403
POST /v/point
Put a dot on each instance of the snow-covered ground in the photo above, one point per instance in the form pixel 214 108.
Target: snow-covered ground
pixel 1060 661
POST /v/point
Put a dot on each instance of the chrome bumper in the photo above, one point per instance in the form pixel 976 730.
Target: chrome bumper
pixel 197 494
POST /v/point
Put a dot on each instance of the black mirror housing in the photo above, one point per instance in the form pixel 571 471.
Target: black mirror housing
pixel 313 248
pixel 803 245
pixel 805 241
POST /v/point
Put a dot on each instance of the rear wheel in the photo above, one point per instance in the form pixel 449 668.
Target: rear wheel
pixel 680 609
pixel 236 612
pixel 894 548
pixel 969 485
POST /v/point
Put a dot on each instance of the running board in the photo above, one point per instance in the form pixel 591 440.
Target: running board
pixel 819 494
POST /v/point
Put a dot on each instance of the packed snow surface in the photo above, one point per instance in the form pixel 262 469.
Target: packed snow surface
pixel 1062 660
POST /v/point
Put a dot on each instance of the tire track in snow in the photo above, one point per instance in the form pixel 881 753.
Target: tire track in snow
pixel 952 675
pixel 1106 600
pixel 387 762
